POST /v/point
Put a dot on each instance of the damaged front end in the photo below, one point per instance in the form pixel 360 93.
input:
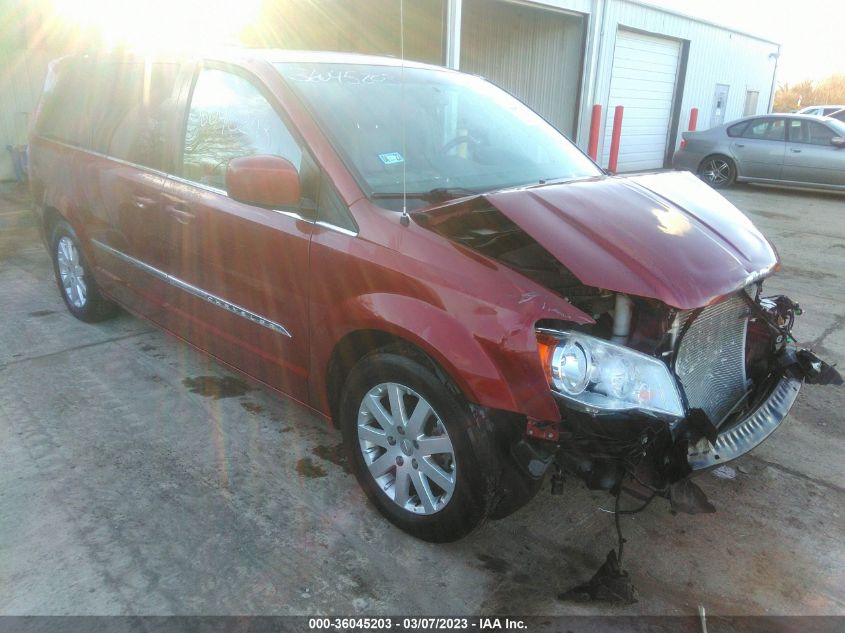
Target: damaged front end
pixel 679 365
pixel 652 395
pixel 686 365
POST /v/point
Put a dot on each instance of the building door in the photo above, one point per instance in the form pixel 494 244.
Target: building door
pixel 643 80
pixel 751 98
pixel 720 104
pixel 532 52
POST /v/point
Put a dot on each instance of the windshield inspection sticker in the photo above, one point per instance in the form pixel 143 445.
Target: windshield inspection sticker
pixel 392 158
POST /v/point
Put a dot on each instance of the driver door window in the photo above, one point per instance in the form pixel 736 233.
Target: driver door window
pixel 228 118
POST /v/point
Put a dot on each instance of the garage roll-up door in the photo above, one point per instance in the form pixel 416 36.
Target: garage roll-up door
pixel 645 72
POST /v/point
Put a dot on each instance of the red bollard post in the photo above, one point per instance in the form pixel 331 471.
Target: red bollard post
pixel 693 119
pixel 614 140
pixel 595 123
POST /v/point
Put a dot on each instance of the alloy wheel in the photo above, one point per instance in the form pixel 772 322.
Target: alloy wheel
pixel 71 272
pixel 716 171
pixel 406 448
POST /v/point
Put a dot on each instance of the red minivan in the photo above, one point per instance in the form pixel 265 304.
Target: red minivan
pixel 422 259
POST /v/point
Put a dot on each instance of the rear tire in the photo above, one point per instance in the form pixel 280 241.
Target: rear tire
pixel 77 286
pixel 718 171
pixel 432 468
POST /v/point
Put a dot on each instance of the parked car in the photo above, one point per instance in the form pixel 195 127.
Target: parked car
pixel 786 149
pixel 425 261
pixel 839 115
pixel 820 110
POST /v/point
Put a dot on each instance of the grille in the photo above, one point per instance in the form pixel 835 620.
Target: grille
pixel 711 358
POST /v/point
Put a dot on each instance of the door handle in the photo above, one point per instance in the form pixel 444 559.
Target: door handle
pixel 181 216
pixel 794 151
pixel 740 145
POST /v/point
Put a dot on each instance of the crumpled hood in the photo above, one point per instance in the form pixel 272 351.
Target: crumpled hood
pixel 665 236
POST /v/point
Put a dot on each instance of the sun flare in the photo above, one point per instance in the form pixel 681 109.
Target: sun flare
pixel 159 24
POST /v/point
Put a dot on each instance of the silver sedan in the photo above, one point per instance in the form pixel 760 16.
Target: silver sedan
pixel 787 149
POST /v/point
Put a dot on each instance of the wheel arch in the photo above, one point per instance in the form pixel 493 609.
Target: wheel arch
pixel 357 344
pixel 49 219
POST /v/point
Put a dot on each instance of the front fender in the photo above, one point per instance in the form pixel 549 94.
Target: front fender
pixel 494 366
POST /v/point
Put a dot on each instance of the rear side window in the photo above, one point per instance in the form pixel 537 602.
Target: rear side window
pixel 67 108
pixel 115 108
pixel 133 126
pixel 766 130
pixel 229 117
pixel 738 129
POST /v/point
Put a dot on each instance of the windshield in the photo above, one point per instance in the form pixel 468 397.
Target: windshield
pixel 461 135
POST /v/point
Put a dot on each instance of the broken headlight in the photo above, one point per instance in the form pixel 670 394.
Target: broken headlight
pixel 604 377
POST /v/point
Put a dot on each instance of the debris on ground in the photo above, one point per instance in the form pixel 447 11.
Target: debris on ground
pixel 609 584
pixel 725 472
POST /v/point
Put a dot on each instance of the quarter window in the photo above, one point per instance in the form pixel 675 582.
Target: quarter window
pixel 766 130
pixel 737 130
pixel 229 118
pixel 332 209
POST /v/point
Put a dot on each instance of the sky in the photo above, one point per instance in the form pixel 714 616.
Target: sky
pixel 811 32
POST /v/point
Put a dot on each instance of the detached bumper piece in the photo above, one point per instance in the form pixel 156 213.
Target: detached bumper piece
pixel 750 431
pixel 800 365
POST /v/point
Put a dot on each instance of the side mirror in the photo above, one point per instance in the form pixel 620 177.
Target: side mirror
pixel 837 141
pixel 264 181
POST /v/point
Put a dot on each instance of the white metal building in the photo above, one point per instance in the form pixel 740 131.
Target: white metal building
pixel 563 56
pixel 559 56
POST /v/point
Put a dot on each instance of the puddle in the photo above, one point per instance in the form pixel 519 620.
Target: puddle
pixel 307 468
pixel 251 407
pixel 334 454
pixel 217 387
pixel 41 313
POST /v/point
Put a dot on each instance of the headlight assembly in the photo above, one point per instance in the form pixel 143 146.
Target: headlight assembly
pixel 604 377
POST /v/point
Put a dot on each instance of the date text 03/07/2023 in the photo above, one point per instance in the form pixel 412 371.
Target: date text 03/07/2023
pixel 417 624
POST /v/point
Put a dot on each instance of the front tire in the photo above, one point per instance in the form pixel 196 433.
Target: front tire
pixel 76 283
pixel 718 171
pixel 424 460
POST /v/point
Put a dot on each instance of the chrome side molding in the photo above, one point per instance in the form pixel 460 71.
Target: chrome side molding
pixel 197 292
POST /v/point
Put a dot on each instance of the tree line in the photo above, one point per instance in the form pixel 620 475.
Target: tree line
pixel 789 97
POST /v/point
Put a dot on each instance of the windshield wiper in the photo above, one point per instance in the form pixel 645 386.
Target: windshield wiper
pixel 438 194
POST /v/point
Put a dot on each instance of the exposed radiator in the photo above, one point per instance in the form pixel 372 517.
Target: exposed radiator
pixel 711 357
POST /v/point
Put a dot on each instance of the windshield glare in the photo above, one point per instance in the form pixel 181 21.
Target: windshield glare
pixel 461 135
